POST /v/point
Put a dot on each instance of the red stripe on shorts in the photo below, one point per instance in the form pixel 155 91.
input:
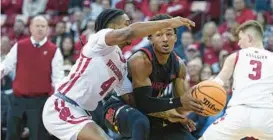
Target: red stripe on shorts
pixel 65 114
pixel 78 76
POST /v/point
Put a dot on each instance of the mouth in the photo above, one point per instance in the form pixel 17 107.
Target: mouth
pixel 166 46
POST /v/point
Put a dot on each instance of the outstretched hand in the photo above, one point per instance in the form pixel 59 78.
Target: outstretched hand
pixel 179 21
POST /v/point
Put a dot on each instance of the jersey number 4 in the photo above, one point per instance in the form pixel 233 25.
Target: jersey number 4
pixel 257 67
pixel 106 85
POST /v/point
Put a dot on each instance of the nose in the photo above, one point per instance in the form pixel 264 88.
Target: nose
pixel 164 38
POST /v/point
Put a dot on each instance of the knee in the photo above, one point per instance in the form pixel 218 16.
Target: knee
pixel 142 123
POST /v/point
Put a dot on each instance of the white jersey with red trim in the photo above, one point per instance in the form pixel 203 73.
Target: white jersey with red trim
pixel 99 69
pixel 253 78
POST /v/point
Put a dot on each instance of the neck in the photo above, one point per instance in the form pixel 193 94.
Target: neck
pixel 162 58
pixel 66 53
pixel 37 40
pixel 258 45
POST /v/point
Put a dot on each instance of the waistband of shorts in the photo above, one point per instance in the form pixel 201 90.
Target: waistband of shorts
pixel 65 98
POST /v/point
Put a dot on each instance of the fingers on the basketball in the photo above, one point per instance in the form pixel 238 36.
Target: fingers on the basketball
pixel 196 107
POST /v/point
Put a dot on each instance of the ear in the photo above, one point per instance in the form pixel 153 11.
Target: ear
pixel 250 38
pixel 112 26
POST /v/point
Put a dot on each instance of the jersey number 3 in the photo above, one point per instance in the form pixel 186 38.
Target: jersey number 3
pixel 106 85
pixel 257 67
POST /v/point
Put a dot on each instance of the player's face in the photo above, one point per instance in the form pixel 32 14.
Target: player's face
pixel 244 40
pixel 163 41
pixel 124 22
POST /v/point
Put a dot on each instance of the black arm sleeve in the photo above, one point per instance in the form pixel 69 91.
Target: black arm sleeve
pixel 148 104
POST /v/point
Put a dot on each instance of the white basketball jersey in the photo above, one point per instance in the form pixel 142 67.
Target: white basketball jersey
pixel 253 78
pixel 99 69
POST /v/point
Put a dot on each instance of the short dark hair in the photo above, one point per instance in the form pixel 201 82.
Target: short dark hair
pixel 105 17
pixel 251 24
pixel 162 17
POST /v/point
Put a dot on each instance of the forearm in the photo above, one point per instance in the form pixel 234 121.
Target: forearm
pixel 141 29
pixel 162 115
pixel 148 104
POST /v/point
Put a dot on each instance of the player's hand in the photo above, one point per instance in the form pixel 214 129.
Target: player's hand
pixel 191 104
pixel 188 123
pixel 179 21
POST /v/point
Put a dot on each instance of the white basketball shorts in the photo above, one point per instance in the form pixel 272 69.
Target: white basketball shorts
pixel 242 121
pixel 63 119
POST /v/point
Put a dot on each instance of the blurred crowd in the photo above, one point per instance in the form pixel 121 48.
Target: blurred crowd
pixel 204 48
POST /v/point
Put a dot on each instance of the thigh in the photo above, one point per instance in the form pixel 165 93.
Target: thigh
pixel 262 123
pixel 64 120
pixel 231 126
pixel 91 131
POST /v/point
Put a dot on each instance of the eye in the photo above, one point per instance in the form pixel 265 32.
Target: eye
pixel 158 35
pixel 169 34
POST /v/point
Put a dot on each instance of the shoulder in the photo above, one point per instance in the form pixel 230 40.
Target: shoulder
pixel 182 68
pixel 51 44
pixel 140 61
pixel 25 40
pixel 103 32
pixel 139 58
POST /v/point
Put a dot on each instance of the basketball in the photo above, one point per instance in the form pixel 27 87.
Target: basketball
pixel 212 95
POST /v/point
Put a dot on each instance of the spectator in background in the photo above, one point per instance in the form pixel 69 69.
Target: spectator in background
pixel 96 9
pixel 38 65
pixel 269 14
pixel 106 4
pixel 229 21
pixel 194 67
pixel 230 38
pixel 151 8
pixel 177 8
pixel 10 7
pixel 6 87
pixel 78 24
pixel 74 5
pixel 34 7
pixel 5 46
pixel 192 52
pixel 84 37
pixel 206 49
pixel 242 12
pixel 222 57
pixel 186 40
pixel 67 48
pixel 60 33
pixel 268 28
pixel 270 43
pixel 129 8
pixel 206 72
pixel 19 31
pixel 57 7
pixel 87 11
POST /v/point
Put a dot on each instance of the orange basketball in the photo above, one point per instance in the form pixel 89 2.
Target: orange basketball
pixel 213 96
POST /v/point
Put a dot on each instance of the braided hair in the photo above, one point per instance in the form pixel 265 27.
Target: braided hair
pixel 105 17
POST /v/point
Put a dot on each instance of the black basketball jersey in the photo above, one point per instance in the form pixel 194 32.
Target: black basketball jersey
pixel 162 75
